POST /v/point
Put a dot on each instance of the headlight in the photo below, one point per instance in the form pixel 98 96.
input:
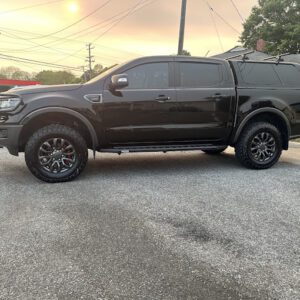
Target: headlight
pixel 9 103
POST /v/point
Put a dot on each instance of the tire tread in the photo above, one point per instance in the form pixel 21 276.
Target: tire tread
pixel 55 129
pixel 241 150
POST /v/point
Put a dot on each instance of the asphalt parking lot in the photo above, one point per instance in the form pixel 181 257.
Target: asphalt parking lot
pixel 152 226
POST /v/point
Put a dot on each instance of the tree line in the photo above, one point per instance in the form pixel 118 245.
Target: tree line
pixel 49 77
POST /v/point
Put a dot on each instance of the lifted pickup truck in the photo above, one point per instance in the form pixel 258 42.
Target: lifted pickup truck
pixel 156 104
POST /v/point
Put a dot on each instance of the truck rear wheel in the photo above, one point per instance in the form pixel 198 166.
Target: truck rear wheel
pixel 56 153
pixel 259 146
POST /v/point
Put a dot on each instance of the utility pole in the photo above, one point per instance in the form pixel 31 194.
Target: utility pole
pixel 84 74
pixel 90 58
pixel 182 27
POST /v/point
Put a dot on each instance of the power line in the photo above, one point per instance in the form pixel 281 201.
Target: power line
pixel 238 11
pixel 78 21
pixel 141 4
pixel 36 62
pixel 219 16
pixel 34 69
pixel 86 29
pixel 58 38
pixel 215 26
pixel 132 11
pixel 106 56
pixel 21 38
pixel 103 22
pixel 28 7
pixel 66 38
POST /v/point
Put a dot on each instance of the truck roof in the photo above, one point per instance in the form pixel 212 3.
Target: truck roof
pixel 176 57
pixel 210 59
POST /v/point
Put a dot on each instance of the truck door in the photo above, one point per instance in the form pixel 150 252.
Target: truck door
pixel 205 94
pixel 143 112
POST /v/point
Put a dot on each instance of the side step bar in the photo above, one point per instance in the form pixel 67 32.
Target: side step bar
pixel 160 148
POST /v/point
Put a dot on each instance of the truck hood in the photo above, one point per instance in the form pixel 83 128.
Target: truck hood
pixel 36 89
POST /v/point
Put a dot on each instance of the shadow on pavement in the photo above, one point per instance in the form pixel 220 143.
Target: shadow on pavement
pixel 160 163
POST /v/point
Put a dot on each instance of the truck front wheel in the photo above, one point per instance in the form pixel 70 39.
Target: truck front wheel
pixel 259 146
pixel 56 153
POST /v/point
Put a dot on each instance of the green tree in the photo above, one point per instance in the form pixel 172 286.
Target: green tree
pixel 2 75
pixel 97 70
pixel 14 73
pixel 56 77
pixel 186 53
pixel 277 22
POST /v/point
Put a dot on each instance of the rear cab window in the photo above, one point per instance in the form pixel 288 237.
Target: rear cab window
pixel 200 75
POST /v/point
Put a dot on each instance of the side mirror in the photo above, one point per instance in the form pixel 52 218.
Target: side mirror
pixel 119 82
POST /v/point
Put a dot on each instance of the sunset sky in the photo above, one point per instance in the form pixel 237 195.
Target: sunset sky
pixel 121 30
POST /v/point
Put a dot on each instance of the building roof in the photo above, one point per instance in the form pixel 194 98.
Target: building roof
pixel 8 82
pixel 295 58
pixel 239 51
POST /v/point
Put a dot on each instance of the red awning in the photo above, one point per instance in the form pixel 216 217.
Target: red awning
pixel 8 82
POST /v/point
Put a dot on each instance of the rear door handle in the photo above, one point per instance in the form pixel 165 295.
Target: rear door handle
pixel 218 96
pixel 163 98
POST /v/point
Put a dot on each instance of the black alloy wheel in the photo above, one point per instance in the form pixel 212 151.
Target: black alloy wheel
pixel 57 155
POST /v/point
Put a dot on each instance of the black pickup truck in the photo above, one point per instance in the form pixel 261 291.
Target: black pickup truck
pixel 164 103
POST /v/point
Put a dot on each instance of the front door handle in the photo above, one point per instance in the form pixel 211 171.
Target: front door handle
pixel 163 98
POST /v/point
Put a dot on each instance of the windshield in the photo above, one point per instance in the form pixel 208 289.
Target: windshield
pixel 105 73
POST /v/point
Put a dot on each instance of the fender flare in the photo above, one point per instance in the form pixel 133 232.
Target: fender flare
pixel 259 111
pixel 71 112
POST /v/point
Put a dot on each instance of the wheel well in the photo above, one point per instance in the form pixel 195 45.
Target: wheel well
pixel 275 120
pixel 54 118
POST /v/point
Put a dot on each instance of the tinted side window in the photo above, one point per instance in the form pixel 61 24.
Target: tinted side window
pixel 259 74
pixel 195 75
pixel 289 75
pixel 149 76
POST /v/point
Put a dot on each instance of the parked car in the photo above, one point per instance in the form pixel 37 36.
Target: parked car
pixel 150 104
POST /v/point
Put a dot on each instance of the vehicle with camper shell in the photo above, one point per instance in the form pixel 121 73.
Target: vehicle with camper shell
pixel 150 104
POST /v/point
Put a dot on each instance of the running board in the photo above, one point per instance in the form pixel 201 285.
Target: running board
pixel 160 148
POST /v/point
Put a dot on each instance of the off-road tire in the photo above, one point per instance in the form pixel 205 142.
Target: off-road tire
pixel 243 146
pixel 56 131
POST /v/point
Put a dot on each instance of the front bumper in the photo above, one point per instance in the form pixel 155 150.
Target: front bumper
pixel 9 138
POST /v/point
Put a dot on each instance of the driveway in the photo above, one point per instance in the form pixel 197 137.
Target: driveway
pixel 152 226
